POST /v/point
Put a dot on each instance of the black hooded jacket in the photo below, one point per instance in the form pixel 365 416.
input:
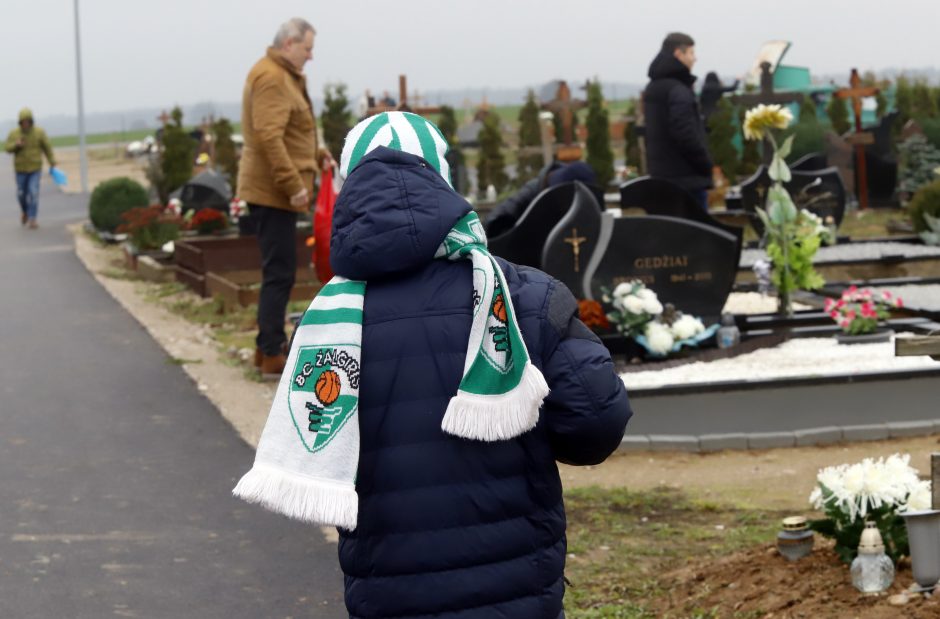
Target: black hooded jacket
pixel 676 147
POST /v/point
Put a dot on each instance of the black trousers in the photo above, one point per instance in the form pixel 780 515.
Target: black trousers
pixel 277 231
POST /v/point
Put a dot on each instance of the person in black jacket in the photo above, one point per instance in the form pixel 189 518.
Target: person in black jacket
pixel 505 214
pixel 712 91
pixel 676 147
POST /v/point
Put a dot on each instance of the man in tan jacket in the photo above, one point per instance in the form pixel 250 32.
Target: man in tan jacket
pixel 279 163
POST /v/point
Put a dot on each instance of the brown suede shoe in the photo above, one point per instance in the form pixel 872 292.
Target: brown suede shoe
pixel 258 355
pixel 272 366
pixel 23 219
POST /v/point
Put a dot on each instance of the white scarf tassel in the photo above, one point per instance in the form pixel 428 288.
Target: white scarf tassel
pixel 300 497
pixel 497 417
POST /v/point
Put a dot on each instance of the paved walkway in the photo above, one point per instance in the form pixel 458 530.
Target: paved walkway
pixel 115 473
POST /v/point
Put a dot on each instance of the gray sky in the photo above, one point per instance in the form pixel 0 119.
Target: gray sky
pixel 157 53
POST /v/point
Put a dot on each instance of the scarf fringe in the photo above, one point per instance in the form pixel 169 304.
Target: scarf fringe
pixel 318 501
pixel 497 417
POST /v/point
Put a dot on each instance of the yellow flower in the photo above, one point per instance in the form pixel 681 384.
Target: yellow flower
pixel 763 117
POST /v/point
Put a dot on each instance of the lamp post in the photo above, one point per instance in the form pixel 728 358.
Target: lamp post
pixel 81 104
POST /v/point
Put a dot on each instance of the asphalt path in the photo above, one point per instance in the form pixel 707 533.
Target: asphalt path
pixel 115 473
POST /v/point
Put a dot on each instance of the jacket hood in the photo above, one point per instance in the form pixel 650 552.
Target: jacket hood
pixel 666 66
pixel 391 215
pixel 26 114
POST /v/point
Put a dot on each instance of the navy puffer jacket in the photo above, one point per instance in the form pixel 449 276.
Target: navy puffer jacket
pixel 452 528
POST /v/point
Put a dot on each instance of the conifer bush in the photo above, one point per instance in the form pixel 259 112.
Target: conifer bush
pixel 111 199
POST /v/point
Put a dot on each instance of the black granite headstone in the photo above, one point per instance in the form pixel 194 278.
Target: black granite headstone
pixel 524 242
pixel 658 196
pixel 809 163
pixel 686 263
pixel 820 191
pixel 881 164
pixel 572 242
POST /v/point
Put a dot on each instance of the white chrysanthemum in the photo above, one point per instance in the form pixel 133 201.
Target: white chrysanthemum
pixel 634 304
pixel 622 290
pixel 687 326
pixel 659 338
pixel 652 306
pixel 919 498
pixel 646 294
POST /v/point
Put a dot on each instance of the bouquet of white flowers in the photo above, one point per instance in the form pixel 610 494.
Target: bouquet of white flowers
pixel 876 490
pixel 639 314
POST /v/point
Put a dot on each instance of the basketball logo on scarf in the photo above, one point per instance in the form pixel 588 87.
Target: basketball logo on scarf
pixel 496 346
pixel 324 391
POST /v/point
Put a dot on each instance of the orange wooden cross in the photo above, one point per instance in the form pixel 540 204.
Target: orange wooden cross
pixel 856 92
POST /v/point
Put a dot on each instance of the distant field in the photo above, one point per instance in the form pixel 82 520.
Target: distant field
pixel 509 114
pixel 114 137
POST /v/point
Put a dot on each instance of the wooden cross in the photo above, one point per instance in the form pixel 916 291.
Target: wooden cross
pixel 856 93
pixel 767 96
pixel 403 102
pixel 565 107
pixel 575 241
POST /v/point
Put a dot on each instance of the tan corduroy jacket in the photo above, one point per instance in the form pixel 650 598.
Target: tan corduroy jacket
pixel 281 153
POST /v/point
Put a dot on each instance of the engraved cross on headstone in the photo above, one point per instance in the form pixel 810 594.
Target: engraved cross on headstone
pixel 856 92
pixel 767 96
pixel 575 241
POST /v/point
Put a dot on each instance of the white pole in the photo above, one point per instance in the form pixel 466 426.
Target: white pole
pixel 81 104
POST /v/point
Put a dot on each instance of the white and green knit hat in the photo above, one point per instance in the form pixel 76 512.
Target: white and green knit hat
pixel 402 131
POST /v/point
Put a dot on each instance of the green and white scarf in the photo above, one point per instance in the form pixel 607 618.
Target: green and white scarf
pixel 306 462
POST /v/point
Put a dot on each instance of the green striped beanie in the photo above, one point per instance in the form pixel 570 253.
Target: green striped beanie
pixel 402 131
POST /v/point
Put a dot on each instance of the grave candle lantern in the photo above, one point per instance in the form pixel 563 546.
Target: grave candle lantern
pixel 872 570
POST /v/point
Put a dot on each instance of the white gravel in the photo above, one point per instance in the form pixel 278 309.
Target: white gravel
pixel 804 357
pixel 853 251
pixel 754 303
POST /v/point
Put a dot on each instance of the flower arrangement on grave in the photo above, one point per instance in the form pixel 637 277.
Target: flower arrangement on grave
pixel 792 235
pixel 871 490
pixel 150 227
pixel 859 310
pixel 592 315
pixel 207 221
pixel 659 329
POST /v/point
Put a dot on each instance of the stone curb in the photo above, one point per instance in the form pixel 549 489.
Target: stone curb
pixel 828 435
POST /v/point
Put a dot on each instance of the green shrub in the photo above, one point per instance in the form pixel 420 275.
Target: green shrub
pixel 931 127
pixel 112 198
pixel 808 137
pixel 926 200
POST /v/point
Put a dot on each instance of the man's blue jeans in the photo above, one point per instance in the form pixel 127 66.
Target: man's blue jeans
pixel 27 192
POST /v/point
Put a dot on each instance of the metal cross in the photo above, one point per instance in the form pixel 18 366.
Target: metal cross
pixel 575 242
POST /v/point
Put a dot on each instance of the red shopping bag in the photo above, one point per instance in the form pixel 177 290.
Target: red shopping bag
pixel 322 225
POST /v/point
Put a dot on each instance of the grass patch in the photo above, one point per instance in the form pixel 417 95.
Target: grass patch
pixel 181 361
pixel 620 541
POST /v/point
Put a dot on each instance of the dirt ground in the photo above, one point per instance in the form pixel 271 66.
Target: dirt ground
pixel 104 162
pixel 761 583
